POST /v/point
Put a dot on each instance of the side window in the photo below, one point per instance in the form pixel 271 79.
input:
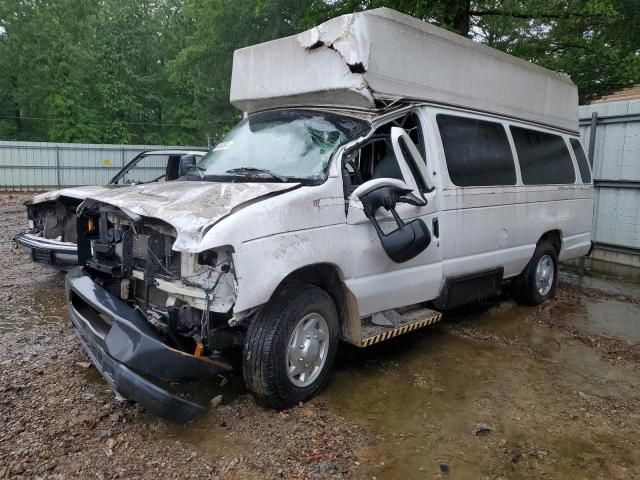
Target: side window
pixel 583 163
pixel 375 158
pixel 148 169
pixel 477 152
pixel 544 157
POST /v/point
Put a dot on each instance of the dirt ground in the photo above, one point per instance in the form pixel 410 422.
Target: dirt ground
pixel 495 391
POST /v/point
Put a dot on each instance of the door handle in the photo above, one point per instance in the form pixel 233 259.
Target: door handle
pixel 435 227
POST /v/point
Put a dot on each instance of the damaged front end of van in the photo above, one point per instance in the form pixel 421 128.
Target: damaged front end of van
pixel 147 314
pixel 172 274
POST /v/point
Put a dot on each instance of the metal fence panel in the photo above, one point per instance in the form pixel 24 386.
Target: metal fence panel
pixel 617 211
pixel 616 170
pixel 42 166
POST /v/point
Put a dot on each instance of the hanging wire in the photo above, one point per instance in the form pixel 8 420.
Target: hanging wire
pixel 179 277
pixel 208 292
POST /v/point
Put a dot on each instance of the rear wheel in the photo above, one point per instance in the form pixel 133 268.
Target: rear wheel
pixel 537 283
pixel 291 346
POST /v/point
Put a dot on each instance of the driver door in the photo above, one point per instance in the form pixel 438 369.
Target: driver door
pixel 378 282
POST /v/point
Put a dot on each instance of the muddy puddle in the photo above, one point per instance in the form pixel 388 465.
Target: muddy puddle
pixel 610 278
pixel 610 318
pixel 538 392
pixel 541 404
pixel 207 435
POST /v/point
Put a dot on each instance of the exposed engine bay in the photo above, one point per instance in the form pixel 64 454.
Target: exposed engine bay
pixel 55 220
pixel 186 297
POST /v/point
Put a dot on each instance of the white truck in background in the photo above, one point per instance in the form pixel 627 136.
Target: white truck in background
pixel 385 170
pixel 51 236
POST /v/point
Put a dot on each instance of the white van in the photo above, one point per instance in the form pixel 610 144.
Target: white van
pixel 337 209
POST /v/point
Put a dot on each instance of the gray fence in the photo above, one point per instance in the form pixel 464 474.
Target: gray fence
pixel 43 166
pixel 612 133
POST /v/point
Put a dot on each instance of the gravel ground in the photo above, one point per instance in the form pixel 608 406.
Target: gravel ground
pixel 58 419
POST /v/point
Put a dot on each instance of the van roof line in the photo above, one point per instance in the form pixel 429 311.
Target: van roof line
pixel 352 61
pixel 402 104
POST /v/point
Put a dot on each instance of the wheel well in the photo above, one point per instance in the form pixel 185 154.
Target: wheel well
pixel 329 278
pixel 554 237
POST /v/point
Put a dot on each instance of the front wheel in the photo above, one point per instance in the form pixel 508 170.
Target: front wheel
pixel 291 346
pixel 537 283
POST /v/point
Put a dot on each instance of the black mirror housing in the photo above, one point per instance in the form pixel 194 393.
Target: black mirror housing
pixel 409 239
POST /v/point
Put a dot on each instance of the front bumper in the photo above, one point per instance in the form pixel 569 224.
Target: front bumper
pixel 53 253
pixel 129 353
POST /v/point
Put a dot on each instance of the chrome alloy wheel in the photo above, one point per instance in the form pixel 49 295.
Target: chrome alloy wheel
pixel 545 273
pixel 307 349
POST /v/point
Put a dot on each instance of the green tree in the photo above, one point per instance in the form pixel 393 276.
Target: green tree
pixel 9 109
pixel 158 71
pixel 570 37
pixel 48 69
pixel 133 41
pixel 203 67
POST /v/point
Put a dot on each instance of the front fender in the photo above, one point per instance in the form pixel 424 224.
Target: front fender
pixel 261 265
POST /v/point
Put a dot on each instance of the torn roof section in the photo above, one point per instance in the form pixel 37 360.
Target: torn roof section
pixel 355 59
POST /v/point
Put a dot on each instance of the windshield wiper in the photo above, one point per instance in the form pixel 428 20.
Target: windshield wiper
pixel 257 170
pixel 199 170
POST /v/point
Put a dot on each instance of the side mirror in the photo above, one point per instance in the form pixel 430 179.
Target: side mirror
pixel 186 162
pixel 409 239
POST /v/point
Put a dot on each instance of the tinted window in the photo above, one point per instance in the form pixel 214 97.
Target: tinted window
pixel 583 163
pixel 477 152
pixel 544 157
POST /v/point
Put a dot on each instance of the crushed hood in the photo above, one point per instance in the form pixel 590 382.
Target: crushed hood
pixel 189 207
pixel 79 193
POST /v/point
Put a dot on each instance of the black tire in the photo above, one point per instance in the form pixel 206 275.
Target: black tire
pixel 264 359
pixel 524 288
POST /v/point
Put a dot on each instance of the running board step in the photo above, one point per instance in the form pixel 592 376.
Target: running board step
pixel 409 321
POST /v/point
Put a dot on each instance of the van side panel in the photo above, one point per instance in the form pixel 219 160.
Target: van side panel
pixel 485 228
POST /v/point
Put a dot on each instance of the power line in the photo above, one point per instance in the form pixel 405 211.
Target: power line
pixel 217 122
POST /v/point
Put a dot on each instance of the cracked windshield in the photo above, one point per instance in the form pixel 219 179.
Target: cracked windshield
pixel 283 145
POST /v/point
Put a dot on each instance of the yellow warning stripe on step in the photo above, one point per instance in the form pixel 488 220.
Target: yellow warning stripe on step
pixel 381 337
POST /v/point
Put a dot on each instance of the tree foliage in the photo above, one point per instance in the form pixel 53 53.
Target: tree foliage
pixel 158 71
